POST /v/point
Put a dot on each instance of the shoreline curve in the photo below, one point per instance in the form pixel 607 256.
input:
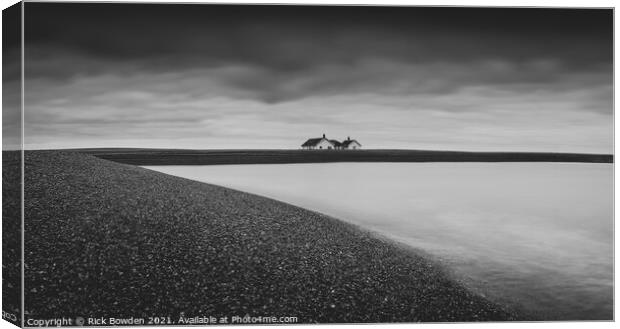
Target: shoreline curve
pixel 110 239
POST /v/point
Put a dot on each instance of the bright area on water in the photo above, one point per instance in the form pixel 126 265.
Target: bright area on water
pixel 535 236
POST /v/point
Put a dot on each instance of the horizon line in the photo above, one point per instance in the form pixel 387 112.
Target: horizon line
pixel 296 149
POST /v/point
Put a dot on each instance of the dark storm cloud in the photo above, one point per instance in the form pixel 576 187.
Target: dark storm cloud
pixel 285 40
pixel 256 76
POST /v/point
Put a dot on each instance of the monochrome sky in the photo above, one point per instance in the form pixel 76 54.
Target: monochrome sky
pixel 230 76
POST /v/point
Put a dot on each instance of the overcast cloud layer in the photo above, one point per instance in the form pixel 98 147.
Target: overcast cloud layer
pixel 206 76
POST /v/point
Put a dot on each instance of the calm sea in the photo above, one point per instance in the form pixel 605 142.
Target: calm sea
pixel 535 236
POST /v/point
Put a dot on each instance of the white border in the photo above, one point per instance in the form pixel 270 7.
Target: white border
pixel 490 3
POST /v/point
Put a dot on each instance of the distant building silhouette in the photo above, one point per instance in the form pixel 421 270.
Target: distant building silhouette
pixel 350 144
pixel 322 143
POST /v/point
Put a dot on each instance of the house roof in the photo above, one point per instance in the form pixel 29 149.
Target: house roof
pixel 349 141
pixel 335 142
pixel 313 141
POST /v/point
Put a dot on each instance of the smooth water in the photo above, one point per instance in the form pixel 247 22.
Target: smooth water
pixel 535 236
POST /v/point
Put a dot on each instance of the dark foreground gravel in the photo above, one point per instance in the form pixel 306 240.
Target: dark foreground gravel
pixel 11 236
pixel 114 240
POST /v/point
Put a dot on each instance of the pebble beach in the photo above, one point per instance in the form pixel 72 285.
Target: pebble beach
pixel 107 239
